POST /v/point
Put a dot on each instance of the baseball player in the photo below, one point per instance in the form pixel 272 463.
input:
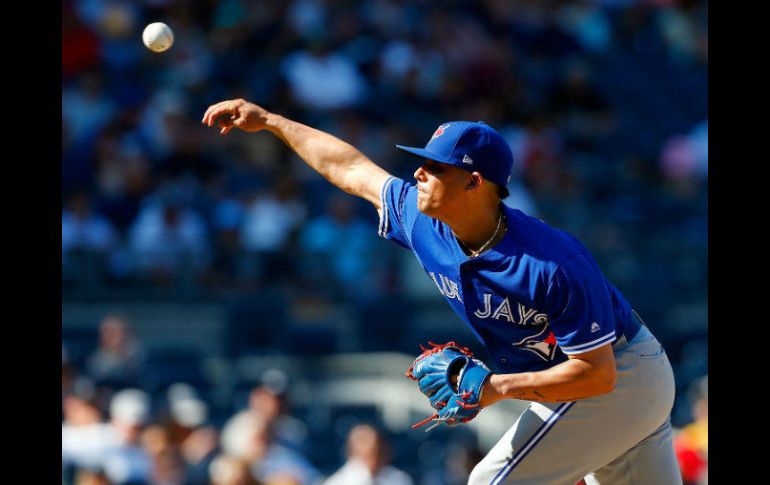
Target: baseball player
pixel 561 336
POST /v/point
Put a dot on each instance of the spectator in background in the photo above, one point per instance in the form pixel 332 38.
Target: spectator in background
pixel 367 462
pixel 542 154
pixel 186 411
pixel 315 66
pixel 161 121
pixel 683 31
pixel 190 433
pixel 81 403
pixel 156 438
pixel 84 436
pixel 84 229
pixel 125 460
pixel 190 62
pixel 271 217
pixel 268 223
pixel 116 22
pixel 86 476
pixel 168 239
pixel 198 451
pixel 168 468
pixel 121 172
pixel 167 465
pixel 226 219
pixel 269 401
pixel 120 356
pixel 338 246
pixel 86 107
pixel 114 447
pixel 229 470
pixel 80 45
pixel 692 442
pixel 251 438
pixel 588 23
pixel 686 156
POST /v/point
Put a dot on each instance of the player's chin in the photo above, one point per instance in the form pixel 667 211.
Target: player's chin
pixel 426 207
pixel 423 203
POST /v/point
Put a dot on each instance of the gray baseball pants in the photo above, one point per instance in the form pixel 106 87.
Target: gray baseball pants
pixel 620 438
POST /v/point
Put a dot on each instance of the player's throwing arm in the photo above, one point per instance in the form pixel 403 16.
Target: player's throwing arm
pixel 339 162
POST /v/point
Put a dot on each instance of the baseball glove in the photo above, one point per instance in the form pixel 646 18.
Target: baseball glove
pixel 433 370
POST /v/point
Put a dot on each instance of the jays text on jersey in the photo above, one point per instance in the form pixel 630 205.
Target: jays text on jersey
pixel 535 296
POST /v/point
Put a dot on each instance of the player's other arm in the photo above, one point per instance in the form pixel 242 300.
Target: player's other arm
pixel 337 161
pixel 582 376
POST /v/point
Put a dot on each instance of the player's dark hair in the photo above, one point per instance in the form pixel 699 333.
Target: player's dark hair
pixel 502 191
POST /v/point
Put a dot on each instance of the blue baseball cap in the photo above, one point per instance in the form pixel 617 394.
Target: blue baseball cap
pixel 473 147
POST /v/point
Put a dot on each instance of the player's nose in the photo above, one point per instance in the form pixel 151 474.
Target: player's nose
pixel 419 174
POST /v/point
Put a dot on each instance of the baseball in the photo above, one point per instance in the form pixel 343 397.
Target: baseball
pixel 158 37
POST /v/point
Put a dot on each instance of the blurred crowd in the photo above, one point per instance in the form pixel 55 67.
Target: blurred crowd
pixel 119 430
pixel 603 102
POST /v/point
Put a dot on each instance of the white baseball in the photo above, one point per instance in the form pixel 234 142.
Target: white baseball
pixel 158 37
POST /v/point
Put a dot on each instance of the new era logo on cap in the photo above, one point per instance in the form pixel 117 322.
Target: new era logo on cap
pixel 467 159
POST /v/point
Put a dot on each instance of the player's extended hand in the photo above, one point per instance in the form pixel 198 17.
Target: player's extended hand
pixel 453 381
pixel 236 113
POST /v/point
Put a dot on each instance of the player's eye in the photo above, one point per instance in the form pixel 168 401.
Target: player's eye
pixel 433 168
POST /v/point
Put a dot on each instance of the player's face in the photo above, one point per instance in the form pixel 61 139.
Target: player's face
pixel 440 188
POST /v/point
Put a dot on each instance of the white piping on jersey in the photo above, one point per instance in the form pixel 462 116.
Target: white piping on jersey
pixel 594 344
pixel 383 229
pixel 533 440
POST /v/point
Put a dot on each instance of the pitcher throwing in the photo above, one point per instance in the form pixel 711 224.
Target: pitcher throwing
pixel 560 335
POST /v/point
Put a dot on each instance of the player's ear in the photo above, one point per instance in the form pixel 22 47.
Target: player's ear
pixel 475 181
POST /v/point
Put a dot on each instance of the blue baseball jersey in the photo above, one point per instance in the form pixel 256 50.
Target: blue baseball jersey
pixel 532 299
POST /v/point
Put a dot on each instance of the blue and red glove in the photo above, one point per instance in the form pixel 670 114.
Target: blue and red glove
pixel 433 371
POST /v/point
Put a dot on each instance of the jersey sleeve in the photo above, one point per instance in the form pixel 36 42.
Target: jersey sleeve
pixel 399 211
pixel 580 306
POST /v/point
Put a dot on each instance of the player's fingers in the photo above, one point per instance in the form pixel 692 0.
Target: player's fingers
pixel 209 111
pixel 217 110
pixel 218 114
pixel 225 130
